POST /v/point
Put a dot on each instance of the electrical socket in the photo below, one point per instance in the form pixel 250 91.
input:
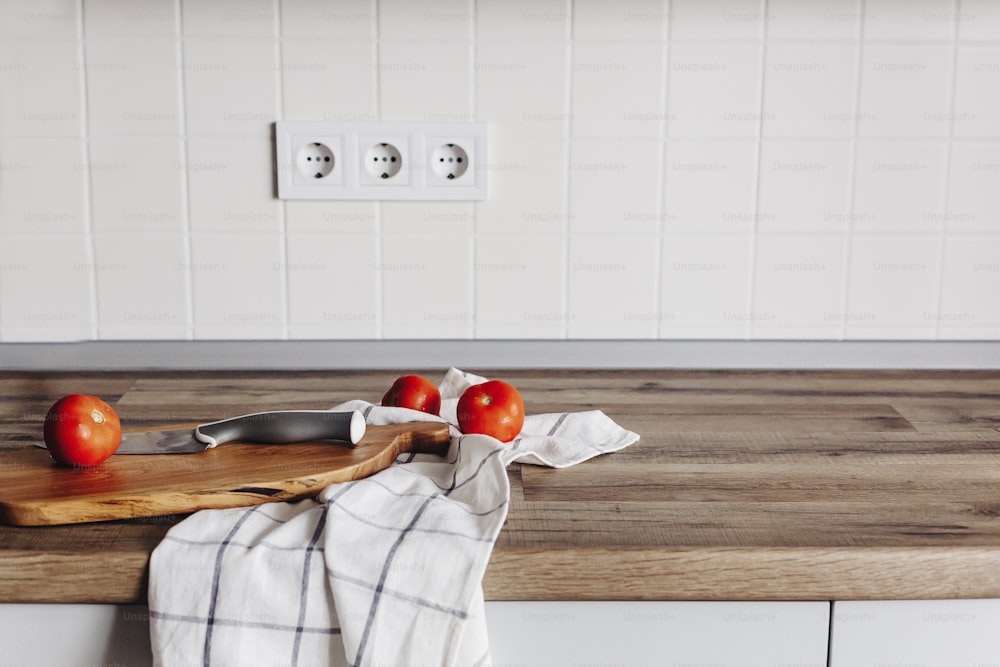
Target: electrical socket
pixel 381 161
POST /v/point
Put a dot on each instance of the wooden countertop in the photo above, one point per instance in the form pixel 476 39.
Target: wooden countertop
pixel 745 485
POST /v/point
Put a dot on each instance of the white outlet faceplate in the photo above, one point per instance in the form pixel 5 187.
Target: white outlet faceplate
pixel 381 161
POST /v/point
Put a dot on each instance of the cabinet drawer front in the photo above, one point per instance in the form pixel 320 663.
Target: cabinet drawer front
pixel 660 634
pixel 929 633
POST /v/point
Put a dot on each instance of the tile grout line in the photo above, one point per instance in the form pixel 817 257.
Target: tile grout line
pixel 185 185
pixel 377 92
pixel 88 182
pixel 283 275
pixel 852 175
pixel 662 198
pixel 473 207
pixel 949 150
pixel 748 332
pixel 565 314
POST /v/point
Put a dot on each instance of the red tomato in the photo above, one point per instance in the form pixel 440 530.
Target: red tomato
pixel 493 408
pixel 414 392
pixel 82 430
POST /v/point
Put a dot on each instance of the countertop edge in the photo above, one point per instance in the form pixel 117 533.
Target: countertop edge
pixel 534 574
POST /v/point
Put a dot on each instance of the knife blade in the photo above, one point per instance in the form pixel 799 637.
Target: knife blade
pixel 276 427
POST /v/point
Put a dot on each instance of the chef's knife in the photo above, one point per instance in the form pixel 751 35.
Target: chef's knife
pixel 276 428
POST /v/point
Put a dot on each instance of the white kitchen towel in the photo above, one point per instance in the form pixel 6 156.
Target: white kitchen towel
pixel 385 570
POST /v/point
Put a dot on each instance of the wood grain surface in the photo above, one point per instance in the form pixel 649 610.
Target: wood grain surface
pixel 36 491
pixel 752 485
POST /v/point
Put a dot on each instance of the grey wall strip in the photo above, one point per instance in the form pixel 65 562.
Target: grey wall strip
pixel 483 354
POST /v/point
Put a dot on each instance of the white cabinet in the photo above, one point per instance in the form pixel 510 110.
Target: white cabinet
pixel 928 633
pixel 549 634
pixel 74 635
pixel 658 634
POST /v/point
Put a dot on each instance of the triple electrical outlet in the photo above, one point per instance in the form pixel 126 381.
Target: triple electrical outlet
pixel 390 161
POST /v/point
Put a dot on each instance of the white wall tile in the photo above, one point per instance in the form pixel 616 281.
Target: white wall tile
pixel 714 90
pixel 809 90
pixel 813 20
pixel 973 195
pixel 136 184
pixel 238 286
pixel 617 89
pixel 434 217
pixel 538 73
pixel 528 20
pixel 427 285
pixel 705 286
pixel 520 285
pixel 345 20
pixel 141 285
pixel 339 217
pixel 710 186
pixel 610 294
pixel 614 186
pixel 49 97
pixel 229 18
pixel 977 92
pixel 904 91
pixel 628 20
pixel 34 169
pixel 804 186
pixel 325 80
pixel 132 87
pixel 56 268
pixel 716 19
pixel 426 81
pixel 970 288
pixel 798 286
pixel 230 185
pixel 528 183
pixel 428 20
pixel 130 18
pixel 91 142
pixel 909 19
pixel 332 281
pixel 230 86
pixel 978 20
pixel 899 187
pixel 892 289
pixel 32 19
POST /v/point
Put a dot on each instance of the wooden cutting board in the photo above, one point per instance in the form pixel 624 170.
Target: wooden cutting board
pixel 36 491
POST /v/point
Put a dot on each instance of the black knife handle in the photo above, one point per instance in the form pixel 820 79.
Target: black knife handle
pixel 284 426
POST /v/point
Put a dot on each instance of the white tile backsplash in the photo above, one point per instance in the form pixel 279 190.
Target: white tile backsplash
pixel 332 282
pixel 971 270
pixel 905 90
pixel 238 286
pixel 977 80
pixel 609 294
pixel 58 269
pixel 147 69
pixel 804 186
pixel 893 287
pixel 899 187
pixel 136 184
pixel 135 301
pixel 718 169
pixel 710 186
pixel 714 90
pixel 42 88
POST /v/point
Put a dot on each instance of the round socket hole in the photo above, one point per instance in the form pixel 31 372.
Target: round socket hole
pixel 383 161
pixel 450 161
pixel 315 160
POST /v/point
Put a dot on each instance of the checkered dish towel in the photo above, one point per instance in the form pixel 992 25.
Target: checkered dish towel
pixel 385 570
